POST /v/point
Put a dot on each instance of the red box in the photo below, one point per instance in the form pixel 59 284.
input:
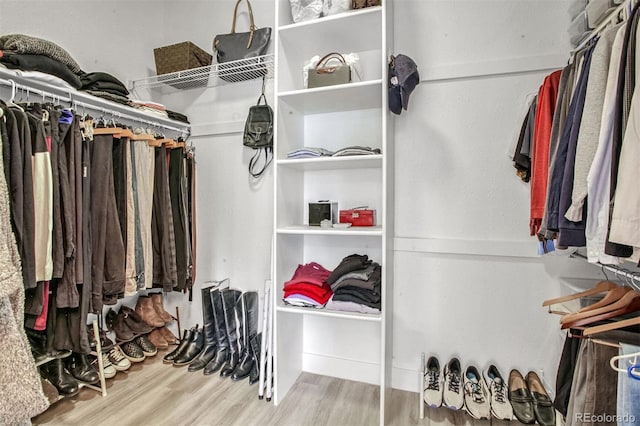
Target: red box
pixel 358 217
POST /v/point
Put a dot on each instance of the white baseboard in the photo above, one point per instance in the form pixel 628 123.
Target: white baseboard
pixel 341 368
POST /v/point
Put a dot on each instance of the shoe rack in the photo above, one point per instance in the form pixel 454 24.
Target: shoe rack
pixel 346 345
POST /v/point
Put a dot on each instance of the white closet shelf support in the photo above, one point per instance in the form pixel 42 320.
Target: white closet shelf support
pixel 329 313
pixel 210 75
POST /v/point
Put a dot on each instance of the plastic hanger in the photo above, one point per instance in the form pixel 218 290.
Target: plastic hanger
pixel 11 101
pixel 601 287
pixel 632 364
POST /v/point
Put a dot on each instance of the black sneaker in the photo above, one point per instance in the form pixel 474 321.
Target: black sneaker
pixel 148 348
pixel 132 351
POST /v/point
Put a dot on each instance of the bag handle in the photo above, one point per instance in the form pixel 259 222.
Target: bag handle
pixel 253 163
pixel 252 26
pixel 326 58
pixel 262 96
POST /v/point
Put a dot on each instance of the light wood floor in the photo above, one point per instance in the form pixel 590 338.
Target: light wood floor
pixel 153 393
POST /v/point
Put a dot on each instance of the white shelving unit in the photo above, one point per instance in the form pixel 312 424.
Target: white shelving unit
pixel 346 345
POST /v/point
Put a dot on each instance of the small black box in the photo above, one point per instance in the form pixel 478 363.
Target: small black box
pixel 323 210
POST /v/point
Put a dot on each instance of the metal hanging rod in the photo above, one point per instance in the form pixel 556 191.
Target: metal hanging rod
pixel 632 279
pixel 79 99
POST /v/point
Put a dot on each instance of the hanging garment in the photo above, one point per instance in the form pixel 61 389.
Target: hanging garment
pixel 599 176
pixel 590 124
pixel 566 370
pixel 559 117
pixel 21 395
pixel 107 256
pixel 144 183
pixel 130 216
pixel 177 189
pixel 547 97
pixel 522 153
pixel 625 89
pixel 163 238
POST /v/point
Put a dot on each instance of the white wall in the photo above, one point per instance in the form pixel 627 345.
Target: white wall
pixel 467 279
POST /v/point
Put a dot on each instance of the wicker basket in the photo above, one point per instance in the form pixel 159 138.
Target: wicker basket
pixel 179 57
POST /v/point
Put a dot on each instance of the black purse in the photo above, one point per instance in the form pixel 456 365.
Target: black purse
pixel 243 48
pixel 258 134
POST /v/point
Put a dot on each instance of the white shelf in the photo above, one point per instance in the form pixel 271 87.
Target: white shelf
pixel 209 76
pixel 337 98
pixel 333 163
pixel 329 313
pixel 354 231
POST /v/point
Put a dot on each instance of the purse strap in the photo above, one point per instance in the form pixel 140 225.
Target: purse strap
pixel 333 55
pixel 252 26
pixel 253 163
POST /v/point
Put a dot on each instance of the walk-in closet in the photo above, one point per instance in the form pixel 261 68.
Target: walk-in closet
pixel 319 212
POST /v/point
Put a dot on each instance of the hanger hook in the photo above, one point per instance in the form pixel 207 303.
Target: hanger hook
pixel 13 91
pixel 604 272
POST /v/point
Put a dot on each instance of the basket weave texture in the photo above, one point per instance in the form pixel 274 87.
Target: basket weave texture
pixel 179 57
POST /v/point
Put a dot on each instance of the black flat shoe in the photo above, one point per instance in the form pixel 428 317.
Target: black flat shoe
pixel 543 409
pixel 520 398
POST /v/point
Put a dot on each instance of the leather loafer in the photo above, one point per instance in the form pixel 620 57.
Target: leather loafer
pixel 520 398
pixel 543 409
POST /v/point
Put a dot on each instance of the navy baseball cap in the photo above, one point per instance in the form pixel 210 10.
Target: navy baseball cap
pixel 403 78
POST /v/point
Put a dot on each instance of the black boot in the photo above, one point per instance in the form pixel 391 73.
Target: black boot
pixel 193 348
pixel 232 318
pixel 55 372
pixel 209 331
pixel 255 342
pixel 222 344
pixel 186 336
pixel 249 312
pixel 81 369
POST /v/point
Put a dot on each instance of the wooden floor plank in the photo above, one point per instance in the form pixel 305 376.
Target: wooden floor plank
pixel 153 393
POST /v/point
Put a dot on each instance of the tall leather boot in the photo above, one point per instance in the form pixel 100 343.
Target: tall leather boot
pixel 209 331
pixel 222 344
pixel 255 343
pixel 249 310
pixel 230 302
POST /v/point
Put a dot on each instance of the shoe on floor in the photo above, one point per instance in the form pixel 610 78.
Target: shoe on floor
pixel 79 366
pixel 499 393
pixel 157 339
pixel 132 351
pixel 433 383
pixel 452 396
pixel 168 335
pixel 148 348
pixel 107 367
pixel 543 409
pixel 476 394
pixel 520 398
pixel 118 360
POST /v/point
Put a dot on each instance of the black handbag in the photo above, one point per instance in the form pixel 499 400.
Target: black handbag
pixel 258 135
pixel 242 47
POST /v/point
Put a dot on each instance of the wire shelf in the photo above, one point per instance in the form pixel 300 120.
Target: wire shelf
pixel 210 75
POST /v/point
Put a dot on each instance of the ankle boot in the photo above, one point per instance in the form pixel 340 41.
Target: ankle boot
pixel 55 372
pixel 158 341
pixel 156 299
pixel 38 344
pixel 249 311
pixel 186 336
pixel 254 375
pixel 232 322
pixel 81 369
pixel 144 308
pixel 222 340
pixel 134 321
pixel 122 330
pixel 209 350
pixel 193 348
pixel 168 335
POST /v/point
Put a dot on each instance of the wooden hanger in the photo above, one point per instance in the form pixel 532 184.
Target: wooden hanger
pixel 107 131
pixel 612 295
pixel 601 287
pixel 589 331
pixel 621 303
pixel 126 133
pixel 634 306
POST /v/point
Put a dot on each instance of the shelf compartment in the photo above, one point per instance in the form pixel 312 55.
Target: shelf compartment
pixel 210 75
pixel 333 163
pixel 369 231
pixel 329 313
pixel 340 97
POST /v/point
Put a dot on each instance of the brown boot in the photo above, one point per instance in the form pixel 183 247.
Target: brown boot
pixel 157 339
pixel 168 336
pixel 157 305
pixel 144 308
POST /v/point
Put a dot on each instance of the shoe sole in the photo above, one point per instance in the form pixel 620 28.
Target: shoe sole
pixel 134 359
pixel 121 368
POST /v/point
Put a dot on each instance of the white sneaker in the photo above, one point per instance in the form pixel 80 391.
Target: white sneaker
pixel 452 394
pixel 433 383
pixel 118 360
pixel 476 394
pixel 499 391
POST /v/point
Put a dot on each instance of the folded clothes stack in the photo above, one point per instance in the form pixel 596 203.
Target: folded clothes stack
pixel 356 285
pixel 356 150
pixel 312 152
pixel 309 152
pixel 152 107
pixel 308 287
pixel 19 51
pixel 178 116
pixel 105 86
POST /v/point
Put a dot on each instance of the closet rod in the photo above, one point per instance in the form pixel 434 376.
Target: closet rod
pixel 94 103
pixel 631 278
pixel 611 18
